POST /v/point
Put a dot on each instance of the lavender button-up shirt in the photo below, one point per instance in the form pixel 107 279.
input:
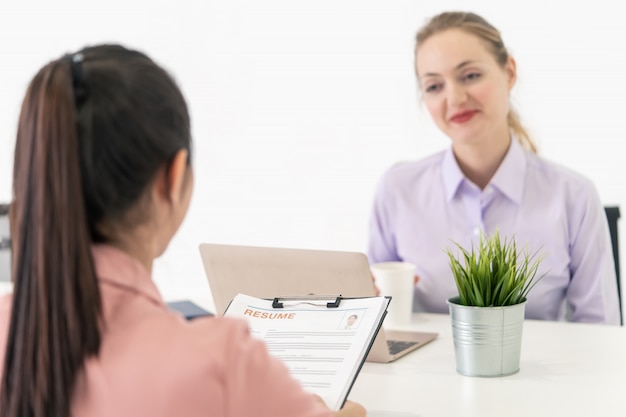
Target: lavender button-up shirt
pixel 421 207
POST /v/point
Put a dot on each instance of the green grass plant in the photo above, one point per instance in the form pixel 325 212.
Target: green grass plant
pixel 494 273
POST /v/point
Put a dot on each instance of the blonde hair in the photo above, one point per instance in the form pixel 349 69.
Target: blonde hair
pixel 478 26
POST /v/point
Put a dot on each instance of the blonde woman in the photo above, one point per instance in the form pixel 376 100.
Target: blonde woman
pixel 491 177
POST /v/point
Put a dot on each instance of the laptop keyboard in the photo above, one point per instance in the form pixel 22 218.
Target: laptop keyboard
pixel 396 346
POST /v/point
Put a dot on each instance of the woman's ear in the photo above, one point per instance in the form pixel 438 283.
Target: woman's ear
pixel 511 71
pixel 170 179
pixel 175 175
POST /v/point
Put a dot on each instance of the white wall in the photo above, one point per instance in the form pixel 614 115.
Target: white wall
pixel 298 106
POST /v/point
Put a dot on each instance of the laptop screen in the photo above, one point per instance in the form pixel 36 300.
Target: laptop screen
pixel 267 272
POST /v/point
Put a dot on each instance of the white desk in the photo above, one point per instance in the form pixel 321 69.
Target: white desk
pixel 566 369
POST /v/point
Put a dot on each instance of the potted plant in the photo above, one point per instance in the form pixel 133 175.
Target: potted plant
pixel 493 280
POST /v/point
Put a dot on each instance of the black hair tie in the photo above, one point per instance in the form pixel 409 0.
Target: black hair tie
pixel 78 82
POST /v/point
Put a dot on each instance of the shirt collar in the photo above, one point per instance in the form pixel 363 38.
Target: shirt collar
pixel 115 267
pixel 452 175
pixel 508 179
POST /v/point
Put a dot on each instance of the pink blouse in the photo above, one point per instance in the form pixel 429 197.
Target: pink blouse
pixel 154 363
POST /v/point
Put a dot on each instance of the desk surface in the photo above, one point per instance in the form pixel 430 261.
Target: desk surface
pixel 566 369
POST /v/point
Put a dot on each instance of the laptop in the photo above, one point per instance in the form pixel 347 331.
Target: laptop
pixel 267 272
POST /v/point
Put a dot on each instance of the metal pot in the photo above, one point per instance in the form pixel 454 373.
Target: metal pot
pixel 487 340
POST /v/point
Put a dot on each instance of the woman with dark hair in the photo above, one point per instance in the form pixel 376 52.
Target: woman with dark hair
pixel 102 181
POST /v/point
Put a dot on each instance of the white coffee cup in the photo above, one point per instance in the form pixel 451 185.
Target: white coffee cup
pixel 396 279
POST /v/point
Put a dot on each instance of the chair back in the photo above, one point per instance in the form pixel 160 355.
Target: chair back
pixel 5 244
pixel 613 215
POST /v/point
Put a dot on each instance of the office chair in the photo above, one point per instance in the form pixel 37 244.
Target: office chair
pixel 613 215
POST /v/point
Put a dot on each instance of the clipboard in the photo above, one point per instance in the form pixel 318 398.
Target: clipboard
pixel 334 300
pixel 311 336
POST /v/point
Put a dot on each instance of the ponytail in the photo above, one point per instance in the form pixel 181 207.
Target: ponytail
pixel 56 305
pixel 522 135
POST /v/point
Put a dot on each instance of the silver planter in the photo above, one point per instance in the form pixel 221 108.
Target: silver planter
pixel 487 340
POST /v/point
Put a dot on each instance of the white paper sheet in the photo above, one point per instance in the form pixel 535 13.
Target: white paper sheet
pixel 323 347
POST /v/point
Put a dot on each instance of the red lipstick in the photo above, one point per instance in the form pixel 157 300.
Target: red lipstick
pixel 464 116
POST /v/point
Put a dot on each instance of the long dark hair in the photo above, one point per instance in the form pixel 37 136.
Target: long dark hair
pixel 94 128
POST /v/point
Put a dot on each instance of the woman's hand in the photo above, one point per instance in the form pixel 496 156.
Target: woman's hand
pixel 349 409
